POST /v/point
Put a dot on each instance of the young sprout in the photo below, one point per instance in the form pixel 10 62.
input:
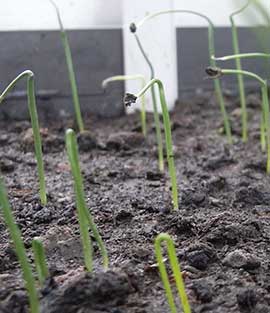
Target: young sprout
pixel 85 218
pixel 71 73
pixel 40 260
pixel 176 272
pixel 129 99
pixel 35 126
pixel 248 56
pixel 211 47
pixel 215 72
pixel 154 100
pixel 238 64
pixel 16 237
pixel 143 83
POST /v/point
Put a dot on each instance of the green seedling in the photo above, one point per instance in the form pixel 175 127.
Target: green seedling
pixel 71 72
pixel 35 126
pixel 211 47
pixel 20 250
pixel 176 272
pixel 238 64
pixel 249 56
pixel 85 218
pixel 40 261
pixel 129 99
pixel 154 100
pixel 143 83
pixel 217 72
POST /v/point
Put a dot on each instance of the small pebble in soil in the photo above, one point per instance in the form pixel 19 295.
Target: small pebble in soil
pixel 86 141
pixel 202 290
pixel 241 259
pixel 247 299
pixel 198 259
pixel 6 165
pixel 124 140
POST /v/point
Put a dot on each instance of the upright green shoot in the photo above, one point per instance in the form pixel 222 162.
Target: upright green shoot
pixel 217 72
pixel 40 260
pixel 35 126
pixel 71 72
pixel 211 48
pixel 176 272
pixel 129 99
pixel 85 218
pixel 139 77
pixel 16 237
pixel 238 64
pixel 154 100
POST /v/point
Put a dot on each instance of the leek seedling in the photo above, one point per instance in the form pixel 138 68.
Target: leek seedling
pixel 35 126
pixel 154 100
pixel 85 218
pixel 16 237
pixel 176 272
pixel 71 73
pixel 248 56
pixel 143 83
pixel 40 261
pixel 211 48
pixel 217 72
pixel 129 99
pixel 238 64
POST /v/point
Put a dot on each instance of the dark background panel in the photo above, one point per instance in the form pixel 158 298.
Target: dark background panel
pixel 97 54
pixel 193 57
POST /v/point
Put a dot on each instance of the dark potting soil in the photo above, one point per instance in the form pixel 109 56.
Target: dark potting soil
pixel 221 231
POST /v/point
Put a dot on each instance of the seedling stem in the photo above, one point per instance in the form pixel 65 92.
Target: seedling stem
pixel 176 272
pixel 35 126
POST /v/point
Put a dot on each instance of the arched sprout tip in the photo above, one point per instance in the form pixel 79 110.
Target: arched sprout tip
pixel 40 260
pixel 176 272
pixel 129 100
pixel 20 250
pixel 35 126
pixel 215 72
pixel 85 219
pixel 238 64
pixel 139 77
pixel 154 101
pixel 70 67
pixel 211 48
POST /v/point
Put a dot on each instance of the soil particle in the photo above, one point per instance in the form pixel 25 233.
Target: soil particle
pixel 202 290
pixel 247 300
pixel 6 165
pixel 50 142
pixel 124 140
pixel 200 256
pixel 241 259
pixel 90 293
pixel 86 141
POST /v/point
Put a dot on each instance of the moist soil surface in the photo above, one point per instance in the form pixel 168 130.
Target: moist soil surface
pixel 221 231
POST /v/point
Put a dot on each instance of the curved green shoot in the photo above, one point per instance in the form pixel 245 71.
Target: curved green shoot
pixel 139 77
pixel 242 56
pixel 265 130
pixel 211 48
pixel 129 99
pixel 40 260
pixel 154 100
pixel 20 250
pixel 35 126
pixel 71 72
pixel 85 218
pixel 238 64
pixel 176 272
